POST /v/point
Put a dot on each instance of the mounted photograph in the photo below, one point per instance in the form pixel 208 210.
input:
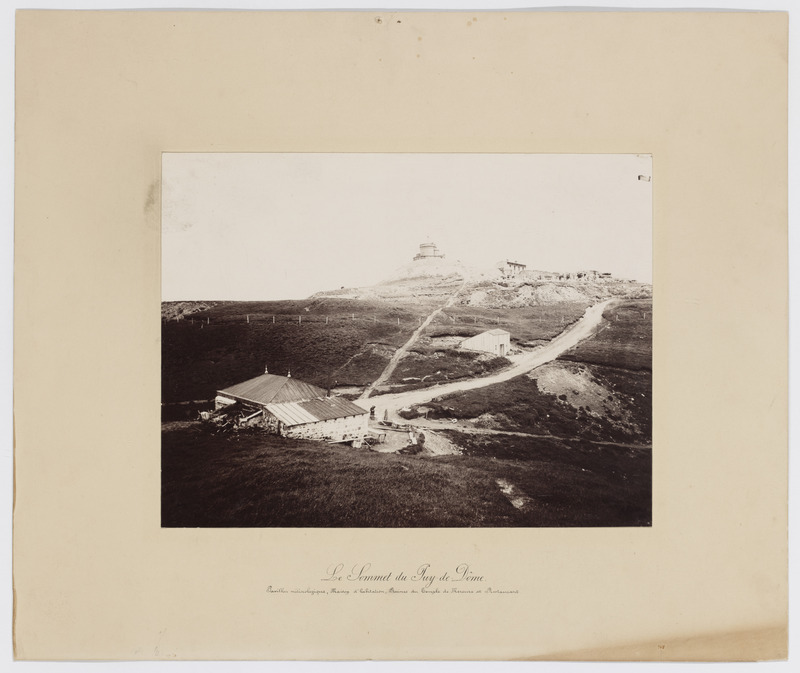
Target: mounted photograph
pixel 406 340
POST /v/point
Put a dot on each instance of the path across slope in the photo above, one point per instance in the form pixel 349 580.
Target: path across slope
pixel 442 425
pixel 400 352
pixel 585 327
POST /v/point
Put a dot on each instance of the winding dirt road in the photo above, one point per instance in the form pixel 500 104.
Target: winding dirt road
pixel 582 329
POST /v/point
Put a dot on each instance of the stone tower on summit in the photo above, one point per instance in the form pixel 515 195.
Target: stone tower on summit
pixel 428 251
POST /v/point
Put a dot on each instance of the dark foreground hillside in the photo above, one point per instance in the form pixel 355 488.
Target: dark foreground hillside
pixel 258 480
pixel 565 445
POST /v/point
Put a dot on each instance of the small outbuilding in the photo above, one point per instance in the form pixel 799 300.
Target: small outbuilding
pixel 291 408
pixel 494 341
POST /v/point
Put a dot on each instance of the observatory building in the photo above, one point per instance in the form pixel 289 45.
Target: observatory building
pixel 428 251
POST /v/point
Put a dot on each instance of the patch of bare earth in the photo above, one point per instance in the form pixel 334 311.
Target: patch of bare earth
pixel 439 445
pixel 441 342
pixel 508 294
pixel 347 390
pixel 575 385
pixel 434 443
pixel 516 497
pixel 492 421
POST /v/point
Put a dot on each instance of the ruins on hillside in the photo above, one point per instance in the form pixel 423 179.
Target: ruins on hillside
pixel 510 269
pixel 589 276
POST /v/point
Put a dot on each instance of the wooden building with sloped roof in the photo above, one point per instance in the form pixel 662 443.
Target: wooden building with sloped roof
pixel 291 408
pixel 494 341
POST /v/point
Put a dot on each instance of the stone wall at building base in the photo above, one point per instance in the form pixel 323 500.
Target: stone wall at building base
pixel 336 429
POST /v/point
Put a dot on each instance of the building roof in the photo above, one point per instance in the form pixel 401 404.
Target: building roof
pixel 270 388
pixel 477 338
pixel 313 411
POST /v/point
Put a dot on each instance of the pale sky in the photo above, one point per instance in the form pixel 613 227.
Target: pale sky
pixel 283 226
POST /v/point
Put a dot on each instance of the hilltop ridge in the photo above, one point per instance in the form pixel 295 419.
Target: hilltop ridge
pixel 433 278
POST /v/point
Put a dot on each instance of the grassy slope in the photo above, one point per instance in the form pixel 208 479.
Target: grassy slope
pixel 259 480
pixel 216 348
pixel 619 358
pixel 569 483
pixel 197 361
pixel 524 408
pixel 529 323
pixel 626 340
pixel 262 481
pixel 438 365
pixel 575 479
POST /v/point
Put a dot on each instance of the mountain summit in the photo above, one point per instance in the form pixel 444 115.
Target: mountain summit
pixel 431 277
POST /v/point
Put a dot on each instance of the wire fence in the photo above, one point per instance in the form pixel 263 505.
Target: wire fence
pixel 300 319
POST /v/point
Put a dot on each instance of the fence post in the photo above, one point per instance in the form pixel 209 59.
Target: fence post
pixel 299 319
pixel 248 318
pixel 273 320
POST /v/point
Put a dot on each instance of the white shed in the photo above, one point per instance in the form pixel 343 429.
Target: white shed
pixel 494 341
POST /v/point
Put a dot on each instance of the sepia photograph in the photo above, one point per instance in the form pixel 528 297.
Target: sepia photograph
pixel 361 314
pixel 406 340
